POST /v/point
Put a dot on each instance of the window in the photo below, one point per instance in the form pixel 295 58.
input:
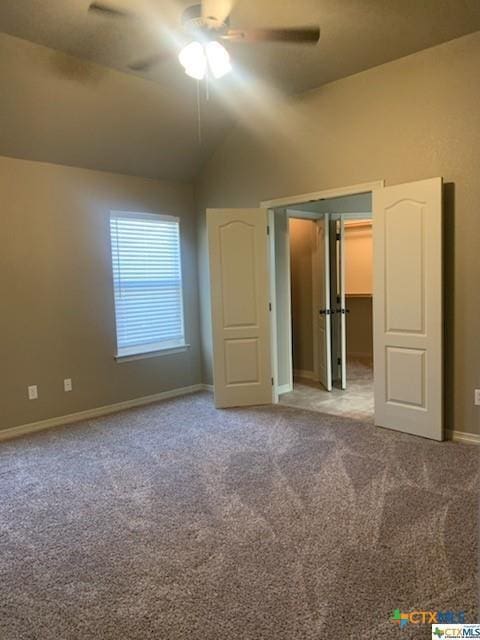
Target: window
pixel 147 278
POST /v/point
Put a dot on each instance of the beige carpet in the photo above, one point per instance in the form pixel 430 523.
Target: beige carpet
pixel 177 521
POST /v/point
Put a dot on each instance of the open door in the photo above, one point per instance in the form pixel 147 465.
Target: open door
pixel 240 298
pixel 342 304
pixel 407 303
pixel 322 312
pixel 338 301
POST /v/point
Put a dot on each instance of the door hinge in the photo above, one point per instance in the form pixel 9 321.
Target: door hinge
pixel 338 236
pixel 339 361
pixel 268 229
pixel 269 306
pixel 272 382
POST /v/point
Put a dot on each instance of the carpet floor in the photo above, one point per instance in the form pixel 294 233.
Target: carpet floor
pixel 176 521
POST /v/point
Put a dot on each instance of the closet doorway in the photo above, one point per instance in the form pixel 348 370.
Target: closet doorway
pixel 249 252
pixel 331 266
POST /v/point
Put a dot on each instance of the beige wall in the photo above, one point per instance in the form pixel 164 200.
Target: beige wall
pixel 359 282
pixel 58 108
pixel 358 257
pixel 359 328
pixel 57 318
pixel 410 119
pixel 302 239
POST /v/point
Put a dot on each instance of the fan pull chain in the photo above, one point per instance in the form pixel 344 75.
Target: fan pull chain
pixel 199 114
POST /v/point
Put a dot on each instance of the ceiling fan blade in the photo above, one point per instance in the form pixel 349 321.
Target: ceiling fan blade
pixel 109 10
pixel 302 35
pixel 145 64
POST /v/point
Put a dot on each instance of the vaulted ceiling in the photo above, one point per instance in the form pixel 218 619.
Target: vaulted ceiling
pixel 98 114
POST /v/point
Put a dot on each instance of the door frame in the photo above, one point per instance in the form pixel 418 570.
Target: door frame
pixel 316 303
pixel 287 202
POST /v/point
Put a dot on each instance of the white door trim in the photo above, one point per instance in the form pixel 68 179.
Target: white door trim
pixel 352 190
pixel 273 304
pixel 278 389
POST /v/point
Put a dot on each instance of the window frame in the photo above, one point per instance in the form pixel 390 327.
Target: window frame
pixel 139 352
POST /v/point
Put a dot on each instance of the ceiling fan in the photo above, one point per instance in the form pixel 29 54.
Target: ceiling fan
pixel 204 53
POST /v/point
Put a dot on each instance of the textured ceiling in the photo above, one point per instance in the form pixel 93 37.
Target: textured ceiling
pixel 356 35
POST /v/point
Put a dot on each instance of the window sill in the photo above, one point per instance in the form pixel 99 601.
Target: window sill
pixel 152 354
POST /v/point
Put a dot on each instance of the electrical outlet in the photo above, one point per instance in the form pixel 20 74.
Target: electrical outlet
pixel 477 396
pixel 67 384
pixel 32 392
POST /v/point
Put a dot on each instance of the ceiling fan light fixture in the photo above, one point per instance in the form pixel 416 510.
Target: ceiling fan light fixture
pixel 193 59
pixel 218 59
pixel 197 58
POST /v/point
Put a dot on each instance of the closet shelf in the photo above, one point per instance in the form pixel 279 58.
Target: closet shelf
pixel 358 295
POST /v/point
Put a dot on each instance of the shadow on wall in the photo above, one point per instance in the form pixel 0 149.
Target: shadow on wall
pixel 75 70
pixel 449 301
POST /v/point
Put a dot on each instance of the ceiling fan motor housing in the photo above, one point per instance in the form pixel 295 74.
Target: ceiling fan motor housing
pixel 193 21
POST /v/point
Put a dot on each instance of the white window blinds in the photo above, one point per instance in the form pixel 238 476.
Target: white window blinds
pixel 147 278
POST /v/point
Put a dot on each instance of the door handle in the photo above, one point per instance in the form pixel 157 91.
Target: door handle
pixel 326 312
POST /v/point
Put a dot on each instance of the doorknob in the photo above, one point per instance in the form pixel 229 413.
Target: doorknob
pixel 326 312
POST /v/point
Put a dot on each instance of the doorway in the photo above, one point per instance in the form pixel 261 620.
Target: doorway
pixel 330 280
pixel 251 311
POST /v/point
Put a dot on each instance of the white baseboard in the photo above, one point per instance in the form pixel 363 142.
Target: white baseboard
pixel 302 373
pixel 464 436
pixel 15 432
pixel 284 388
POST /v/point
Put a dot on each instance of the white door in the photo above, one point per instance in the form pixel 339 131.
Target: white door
pixel 407 301
pixel 339 333
pixel 341 309
pixel 239 279
pixel 335 302
pixel 322 318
